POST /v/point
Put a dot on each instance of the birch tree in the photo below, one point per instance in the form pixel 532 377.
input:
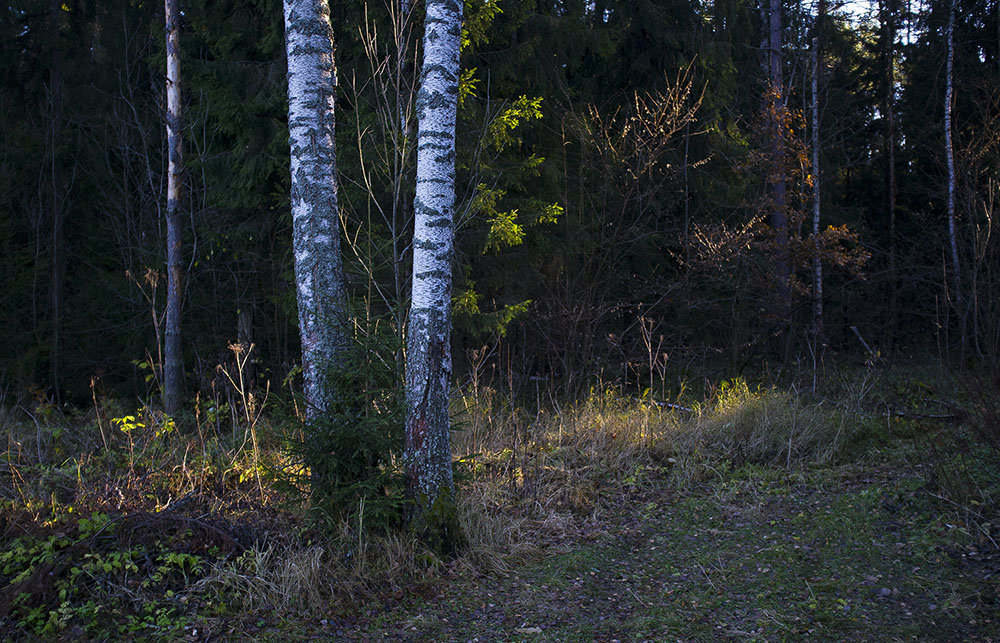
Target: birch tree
pixel 817 255
pixel 173 362
pixel 949 149
pixel 427 448
pixel 950 154
pixel 319 274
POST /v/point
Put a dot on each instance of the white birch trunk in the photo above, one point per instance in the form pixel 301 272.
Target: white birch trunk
pixel 173 363
pixel 950 154
pixel 427 452
pixel 319 274
pixel 817 255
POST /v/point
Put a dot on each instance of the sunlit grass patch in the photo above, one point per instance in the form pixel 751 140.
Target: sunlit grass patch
pixel 765 426
pixel 608 444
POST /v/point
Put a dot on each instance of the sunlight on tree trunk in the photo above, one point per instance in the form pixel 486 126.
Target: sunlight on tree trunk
pixel 427 450
pixel 319 274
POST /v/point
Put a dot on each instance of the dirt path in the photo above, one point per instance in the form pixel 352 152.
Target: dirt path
pixel 853 553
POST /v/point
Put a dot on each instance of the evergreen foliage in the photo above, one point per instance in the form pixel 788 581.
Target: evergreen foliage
pixel 354 448
pixel 559 248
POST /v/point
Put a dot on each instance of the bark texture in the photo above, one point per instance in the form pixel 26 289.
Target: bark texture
pixel 173 361
pixel 817 248
pixel 427 452
pixel 319 274
pixel 950 155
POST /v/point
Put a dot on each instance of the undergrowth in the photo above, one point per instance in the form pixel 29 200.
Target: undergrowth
pixel 610 445
pixel 116 522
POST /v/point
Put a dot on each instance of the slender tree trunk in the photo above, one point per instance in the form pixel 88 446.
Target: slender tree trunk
pixel 817 173
pixel 319 273
pixel 817 255
pixel 889 111
pixel 956 272
pixel 427 449
pixel 777 184
pixel 173 359
pixel 58 238
pixel 402 205
pixel 950 153
pixel 687 195
pixel 765 37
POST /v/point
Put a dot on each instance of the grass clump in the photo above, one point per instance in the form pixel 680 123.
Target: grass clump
pixel 608 444
pixel 765 426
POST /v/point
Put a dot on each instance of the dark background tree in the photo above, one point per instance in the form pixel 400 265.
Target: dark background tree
pixel 575 223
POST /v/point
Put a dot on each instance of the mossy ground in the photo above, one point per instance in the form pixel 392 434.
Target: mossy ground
pixel 611 521
pixel 855 552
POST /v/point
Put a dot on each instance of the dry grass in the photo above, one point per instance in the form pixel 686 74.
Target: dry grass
pixel 767 427
pixel 532 482
pixel 271 576
pixel 350 566
pixel 608 445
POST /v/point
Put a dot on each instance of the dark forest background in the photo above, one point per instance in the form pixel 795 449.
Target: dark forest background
pixel 602 232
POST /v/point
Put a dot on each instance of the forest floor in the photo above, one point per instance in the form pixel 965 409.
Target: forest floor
pixel 760 515
pixel 854 552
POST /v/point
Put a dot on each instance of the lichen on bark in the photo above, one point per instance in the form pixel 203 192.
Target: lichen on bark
pixel 427 449
pixel 319 276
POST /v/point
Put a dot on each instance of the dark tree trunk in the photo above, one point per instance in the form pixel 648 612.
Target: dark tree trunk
pixel 776 180
pixel 58 240
pixel 888 19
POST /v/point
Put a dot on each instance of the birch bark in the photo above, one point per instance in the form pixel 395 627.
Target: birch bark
pixel 173 362
pixel 427 449
pixel 319 273
pixel 950 154
pixel 817 256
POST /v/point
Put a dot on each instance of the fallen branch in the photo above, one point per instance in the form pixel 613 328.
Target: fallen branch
pixel 871 353
pixel 669 405
pixel 947 417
